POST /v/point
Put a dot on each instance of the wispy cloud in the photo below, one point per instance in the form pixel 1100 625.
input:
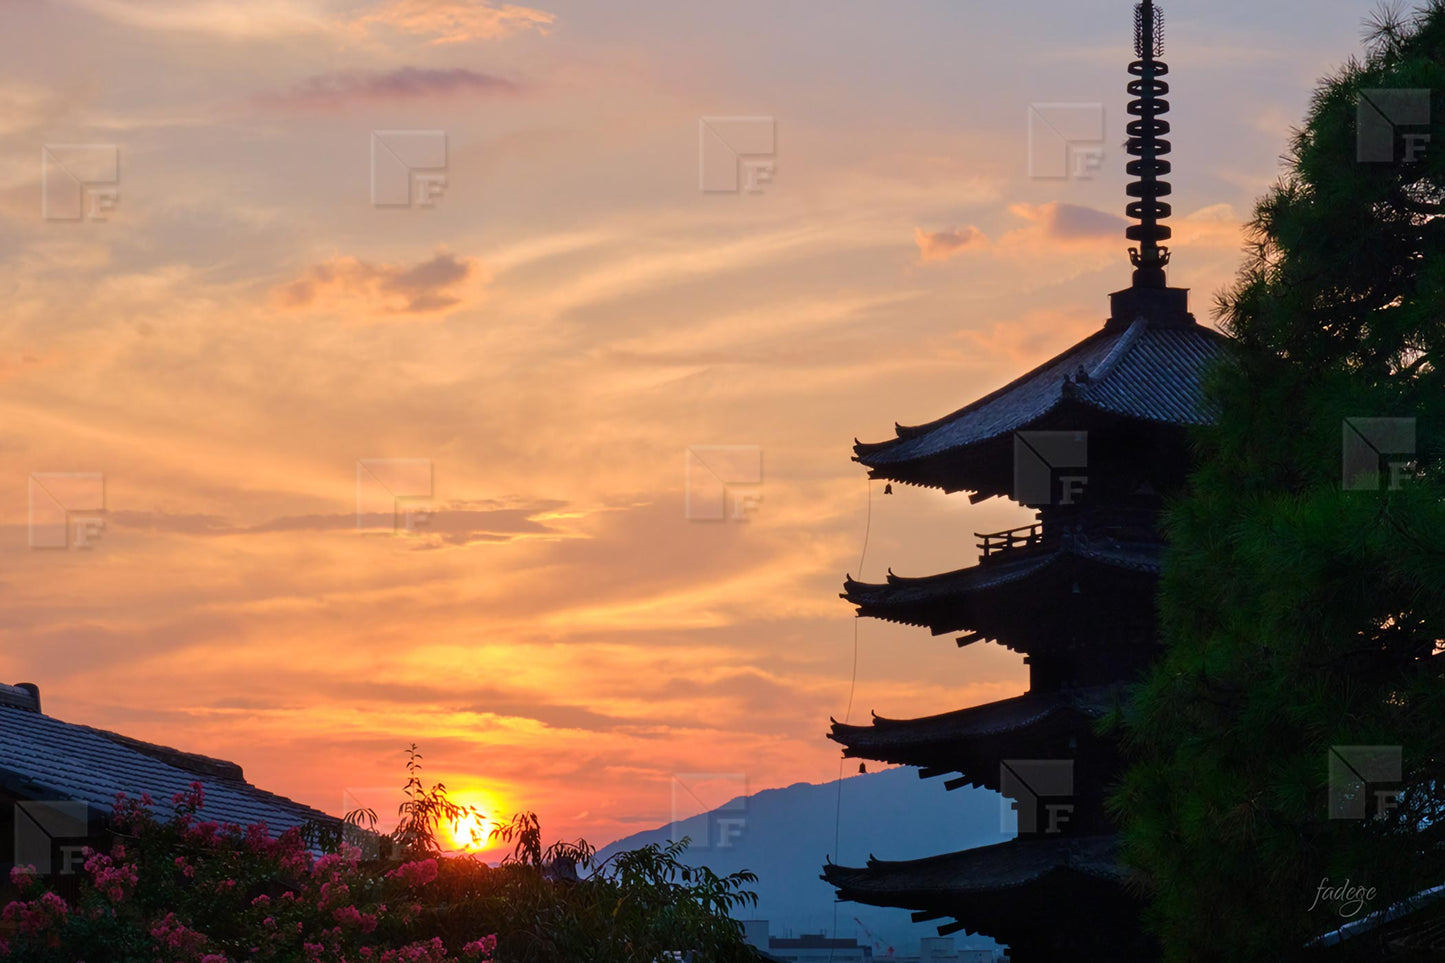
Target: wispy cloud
pixel 942 245
pixel 437 21
pixel 1070 222
pixel 379 290
pixel 253 19
pixel 455 21
pixel 338 88
pixel 453 524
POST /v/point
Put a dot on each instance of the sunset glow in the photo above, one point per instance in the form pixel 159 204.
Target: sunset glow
pixel 378 473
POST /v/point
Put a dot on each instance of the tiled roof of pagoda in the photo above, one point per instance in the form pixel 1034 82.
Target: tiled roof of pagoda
pixel 956 601
pixel 917 741
pixel 920 883
pixel 1146 371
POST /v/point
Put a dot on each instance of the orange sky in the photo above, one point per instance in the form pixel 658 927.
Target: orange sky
pixel 567 318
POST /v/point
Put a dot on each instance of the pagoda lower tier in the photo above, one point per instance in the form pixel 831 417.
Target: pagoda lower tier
pixel 977 742
pixel 1051 900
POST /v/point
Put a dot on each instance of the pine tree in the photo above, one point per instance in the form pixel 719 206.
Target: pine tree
pixel 1303 600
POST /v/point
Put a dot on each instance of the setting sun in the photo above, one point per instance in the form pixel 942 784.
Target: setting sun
pixel 471 833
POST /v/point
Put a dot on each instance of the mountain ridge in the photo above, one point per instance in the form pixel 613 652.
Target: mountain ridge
pixel 785 834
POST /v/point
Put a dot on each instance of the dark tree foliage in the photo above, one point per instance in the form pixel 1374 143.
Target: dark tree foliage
pixel 1303 607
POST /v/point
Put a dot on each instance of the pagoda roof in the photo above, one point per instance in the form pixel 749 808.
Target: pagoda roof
pixel 920 883
pixel 970 598
pixel 918 741
pixel 1009 891
pixel 1149 370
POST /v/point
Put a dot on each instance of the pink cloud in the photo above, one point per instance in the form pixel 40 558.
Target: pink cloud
pixel 342 282
pixel 456 21
pixel 1071 222
pixel 942 245
pixel 341 87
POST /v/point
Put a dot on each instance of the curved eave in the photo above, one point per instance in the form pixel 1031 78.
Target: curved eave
pixel 1155 379
pixel 920 741
pixel 1014 866
pixel 940 602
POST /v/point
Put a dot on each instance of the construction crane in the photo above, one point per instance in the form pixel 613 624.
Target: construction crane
pixel 877 944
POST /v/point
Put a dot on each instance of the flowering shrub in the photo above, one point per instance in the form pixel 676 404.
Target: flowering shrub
pixel 188 890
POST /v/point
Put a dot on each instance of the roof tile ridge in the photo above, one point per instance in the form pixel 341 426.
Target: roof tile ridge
pixel 905 432
pixel 1126 341
pixel 194 763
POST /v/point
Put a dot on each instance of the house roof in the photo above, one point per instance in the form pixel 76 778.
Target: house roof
pixel 911 741
pixel 44 758
pixel 986 869
pixel 951 601
pixel 1149 370
pixel 1413 928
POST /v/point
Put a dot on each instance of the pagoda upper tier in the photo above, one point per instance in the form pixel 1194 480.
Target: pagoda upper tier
pixel 1144 366
pixel 998 600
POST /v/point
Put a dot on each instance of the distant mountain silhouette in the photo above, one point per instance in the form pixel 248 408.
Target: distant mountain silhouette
pixel 784 835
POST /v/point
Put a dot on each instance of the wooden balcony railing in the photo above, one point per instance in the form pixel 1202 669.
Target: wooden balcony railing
pixel 1026 537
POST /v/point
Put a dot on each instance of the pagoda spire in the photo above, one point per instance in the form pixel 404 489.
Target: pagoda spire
pixel 1147 144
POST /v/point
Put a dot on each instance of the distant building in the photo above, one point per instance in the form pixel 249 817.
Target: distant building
pixel 940 949
pixel 755 933
pixel 808 947
pixel 817 947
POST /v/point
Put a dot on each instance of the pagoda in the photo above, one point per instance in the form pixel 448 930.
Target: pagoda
pixel 1095 440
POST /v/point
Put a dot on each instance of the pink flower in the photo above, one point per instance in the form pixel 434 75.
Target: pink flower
pixel 258 839
pixel 36 916
pixel 116 882
pixel 21 877
pixel 432 951
pixel 175 935
pixel 416 873
pixel 351 916
pixel 192 800
pixel 333 894
pixel 483 947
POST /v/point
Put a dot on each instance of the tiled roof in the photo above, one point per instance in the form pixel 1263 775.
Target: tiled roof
pixel 44 758
pixel 986 869
pixel 1146 371
pixel 891 740
pixel 942 602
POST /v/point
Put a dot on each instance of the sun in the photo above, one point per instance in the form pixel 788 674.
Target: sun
pixel 471 833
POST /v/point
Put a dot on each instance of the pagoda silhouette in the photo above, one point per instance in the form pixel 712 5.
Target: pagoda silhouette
pixel 1095 440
